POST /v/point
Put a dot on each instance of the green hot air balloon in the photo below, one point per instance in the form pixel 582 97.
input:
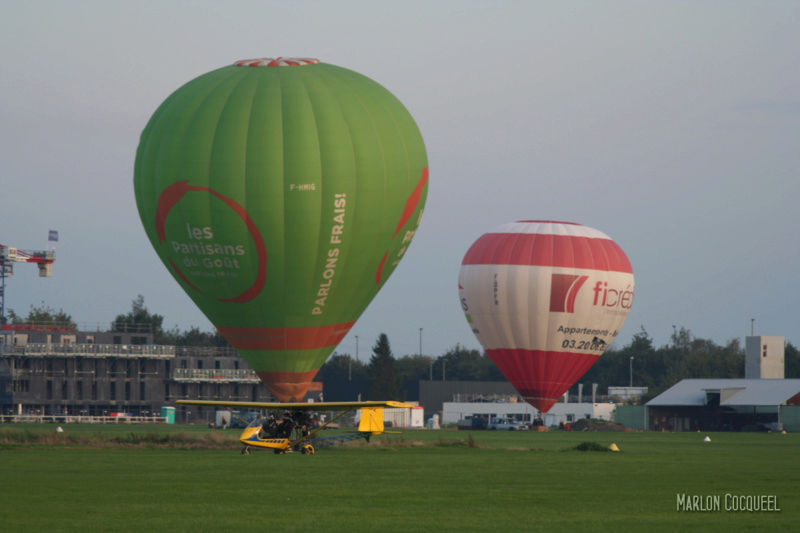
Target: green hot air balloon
pixel 281 194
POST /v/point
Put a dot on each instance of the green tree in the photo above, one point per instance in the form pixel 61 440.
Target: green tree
pixel 195 337
pixel 792 361
pixel 658 369
pixel 414 366
pixel 344 378
pixel 140 320
pixel 44 316
pixel 383 379
pixel 462 364
pixel 681 338
pixel 412 369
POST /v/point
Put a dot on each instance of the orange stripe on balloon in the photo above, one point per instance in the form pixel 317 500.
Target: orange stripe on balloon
pixel 308 338
pixel 288 386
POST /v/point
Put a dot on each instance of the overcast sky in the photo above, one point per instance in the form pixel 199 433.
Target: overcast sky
pixel 674 127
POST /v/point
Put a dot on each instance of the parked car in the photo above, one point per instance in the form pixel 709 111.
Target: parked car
pixel 507 424
pixel 472 422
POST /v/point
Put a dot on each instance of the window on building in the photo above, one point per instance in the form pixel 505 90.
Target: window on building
pixel 117 339
pixel 199 363
pixel 49 389
pixel 141 391
pixel 127 391
pixel 113 391
pixel 217 364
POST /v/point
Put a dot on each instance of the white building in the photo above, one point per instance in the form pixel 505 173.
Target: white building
pixel 764 357
pixel 453 412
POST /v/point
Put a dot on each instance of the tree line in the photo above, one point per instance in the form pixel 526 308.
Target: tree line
pixel 686 356
pixel 387 376
pixel 137 320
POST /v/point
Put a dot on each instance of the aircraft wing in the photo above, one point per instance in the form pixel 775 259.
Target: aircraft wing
pixel 320 406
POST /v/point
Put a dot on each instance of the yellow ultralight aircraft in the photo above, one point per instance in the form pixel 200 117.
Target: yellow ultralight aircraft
pixel 296 436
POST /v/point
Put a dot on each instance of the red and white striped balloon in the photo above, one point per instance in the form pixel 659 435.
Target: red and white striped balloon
pixel 545 299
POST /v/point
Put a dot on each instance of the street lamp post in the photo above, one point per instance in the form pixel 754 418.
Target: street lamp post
pixel 350 363
pixel 631 372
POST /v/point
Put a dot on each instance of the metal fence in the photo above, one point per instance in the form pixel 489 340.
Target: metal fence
pixel 89 350
pixel 244 375
pixel 79 419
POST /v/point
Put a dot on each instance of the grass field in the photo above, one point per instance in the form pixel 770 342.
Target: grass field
pixel 415 481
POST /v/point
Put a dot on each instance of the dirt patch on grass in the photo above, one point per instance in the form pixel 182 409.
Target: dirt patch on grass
pixel 590 446
pixel 591 424
pixel 469 442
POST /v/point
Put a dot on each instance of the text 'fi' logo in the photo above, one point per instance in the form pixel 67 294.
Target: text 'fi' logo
pixel 563 291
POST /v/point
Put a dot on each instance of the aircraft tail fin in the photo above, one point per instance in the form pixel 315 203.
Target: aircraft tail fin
pixel 371 420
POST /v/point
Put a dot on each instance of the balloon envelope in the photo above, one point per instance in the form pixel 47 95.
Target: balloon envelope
pixel 281 194
pixel 545 299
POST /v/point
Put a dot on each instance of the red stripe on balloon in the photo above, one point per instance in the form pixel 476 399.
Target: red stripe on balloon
pixel 541 377
pixel 166 201
pixel 532 249
pixel 179 273
pixel 380 269
pixel 573 293
pixel 302 338
pixel 412 202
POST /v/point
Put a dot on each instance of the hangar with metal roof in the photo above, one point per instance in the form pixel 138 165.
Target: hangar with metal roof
pixel 727 405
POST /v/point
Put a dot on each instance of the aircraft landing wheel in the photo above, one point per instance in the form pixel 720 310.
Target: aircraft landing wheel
pixel 308 449
pixel 246 450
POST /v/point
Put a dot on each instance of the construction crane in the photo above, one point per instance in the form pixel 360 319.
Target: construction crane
pixel 9 255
